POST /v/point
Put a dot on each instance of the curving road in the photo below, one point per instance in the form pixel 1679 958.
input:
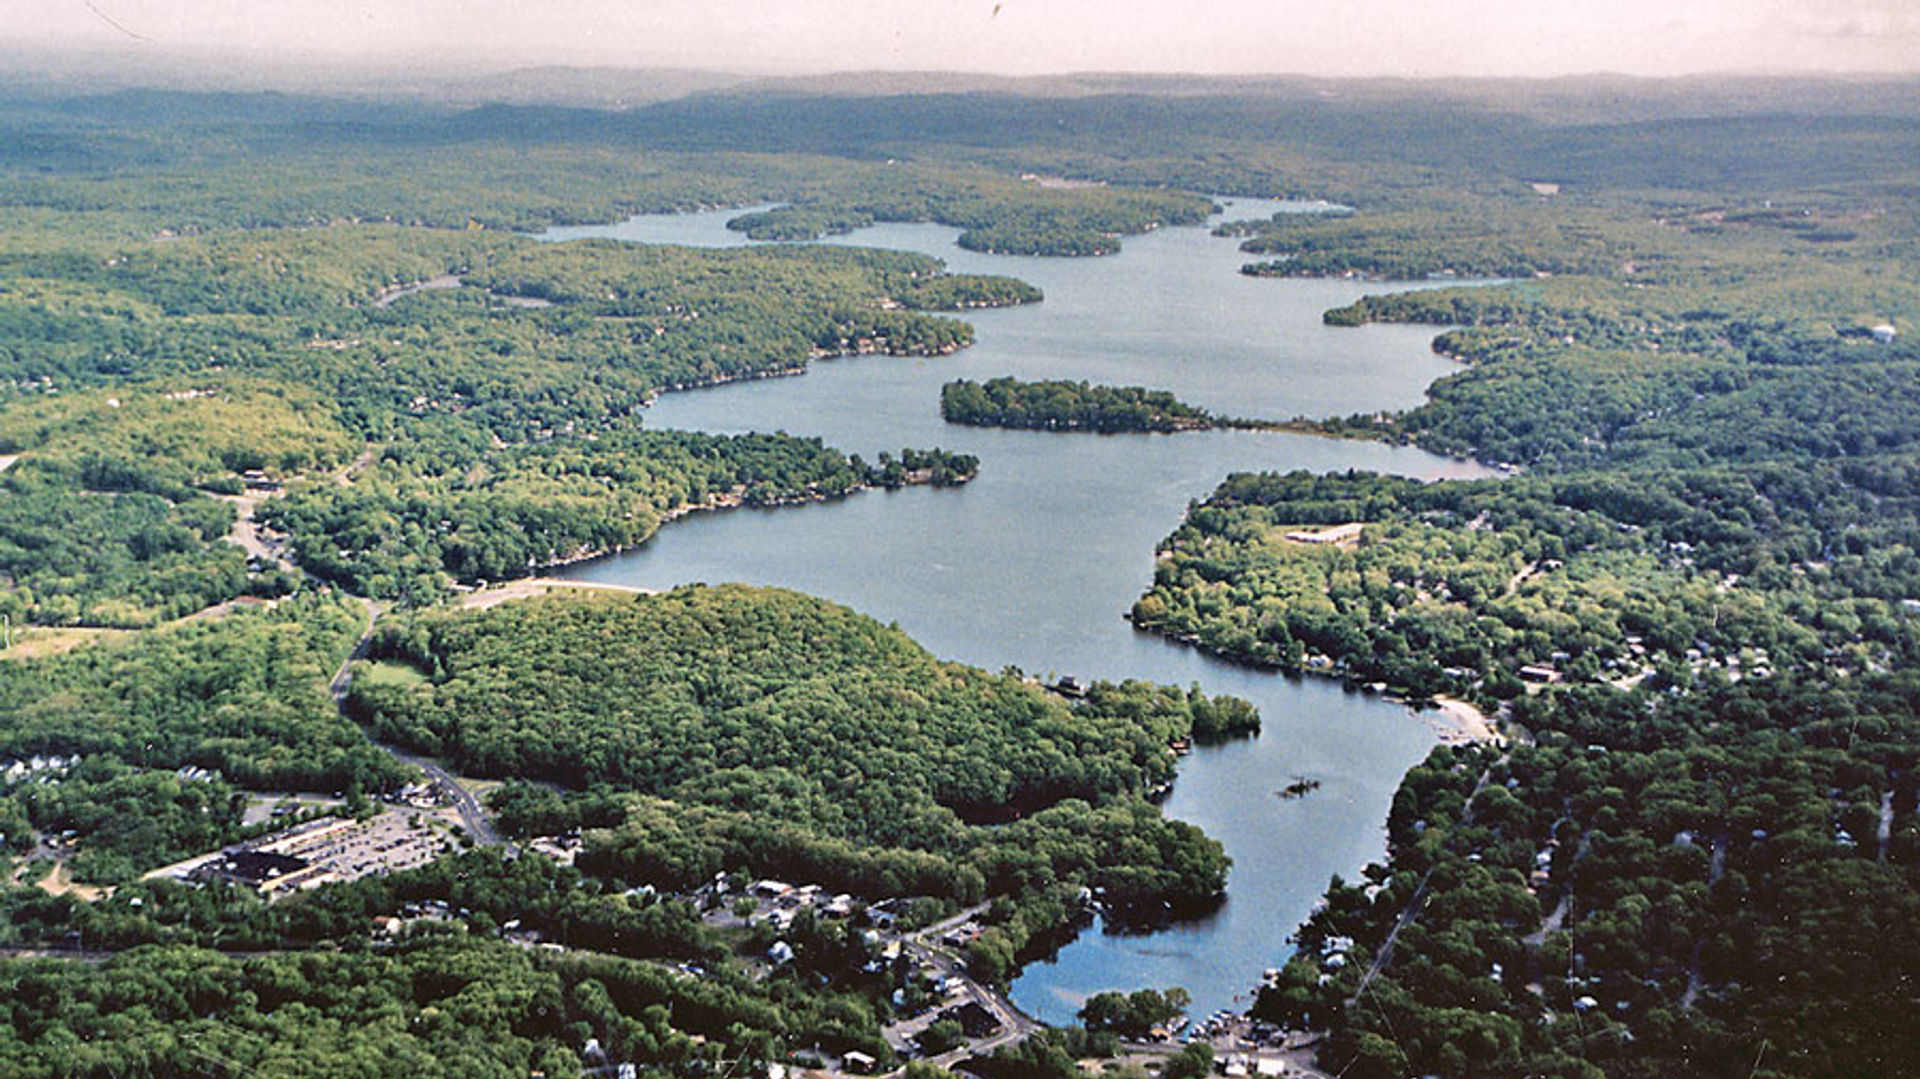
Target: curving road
pixel 473 816
pixel 1015 1025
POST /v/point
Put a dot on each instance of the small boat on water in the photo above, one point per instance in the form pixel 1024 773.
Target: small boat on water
pixel 1299 788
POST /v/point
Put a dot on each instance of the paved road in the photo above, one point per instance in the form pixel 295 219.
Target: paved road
pixel 472 816
pixel 955 922
pixel 1015 1025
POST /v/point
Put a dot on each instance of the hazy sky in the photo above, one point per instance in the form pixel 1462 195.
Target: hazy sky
pixel 1022 37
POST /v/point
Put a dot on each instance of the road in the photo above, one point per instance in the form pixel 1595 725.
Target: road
pixel 472 816
pixel 245 533
pixel 1015 1025
pixel 1414 905
pixel 947 925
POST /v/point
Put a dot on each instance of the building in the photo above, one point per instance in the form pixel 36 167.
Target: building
pixel 254 869
pixel 975 1020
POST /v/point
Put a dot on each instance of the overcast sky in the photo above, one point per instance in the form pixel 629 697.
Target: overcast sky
pixel 1018 37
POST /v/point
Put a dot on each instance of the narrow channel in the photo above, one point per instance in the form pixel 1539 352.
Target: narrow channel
pixel 1032 564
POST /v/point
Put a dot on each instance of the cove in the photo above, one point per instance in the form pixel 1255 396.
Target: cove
pixel 1032 564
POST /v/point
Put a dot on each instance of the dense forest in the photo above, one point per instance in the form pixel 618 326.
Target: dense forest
pixel 1691 603
pixel 415 520
pixel 774 731
pixel 257 350
pixel 1069 406
pixel 485 438
pixel 243 695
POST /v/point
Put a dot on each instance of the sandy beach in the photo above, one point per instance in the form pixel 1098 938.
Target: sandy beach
pixel 1460 723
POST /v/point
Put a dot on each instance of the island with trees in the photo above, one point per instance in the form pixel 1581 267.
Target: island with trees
pixel 1062 405
pixel 241 440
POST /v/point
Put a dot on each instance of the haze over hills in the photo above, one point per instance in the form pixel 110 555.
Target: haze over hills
pixel 281 370
pixel 1570 99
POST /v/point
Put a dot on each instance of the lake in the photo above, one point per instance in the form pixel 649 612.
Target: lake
pixel 1032 564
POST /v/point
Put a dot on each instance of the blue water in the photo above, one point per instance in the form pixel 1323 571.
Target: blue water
pixel 1032 563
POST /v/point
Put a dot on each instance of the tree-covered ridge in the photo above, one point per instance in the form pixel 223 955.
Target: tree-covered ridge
pixel 792 735
pixel 243 695
pixel 1068 405
pixel 783 681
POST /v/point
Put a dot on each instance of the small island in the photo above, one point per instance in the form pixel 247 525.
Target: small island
pixel 1061 405
pixel 790 224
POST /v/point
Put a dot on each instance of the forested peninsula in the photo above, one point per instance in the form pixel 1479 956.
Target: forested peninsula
pixel 867 765
pixel 399 445
pixel 280 386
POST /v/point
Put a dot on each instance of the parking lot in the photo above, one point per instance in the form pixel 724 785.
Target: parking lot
pixel 348 850
pixel 328 849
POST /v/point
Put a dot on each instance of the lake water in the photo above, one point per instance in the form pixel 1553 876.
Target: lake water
pixel 1033 562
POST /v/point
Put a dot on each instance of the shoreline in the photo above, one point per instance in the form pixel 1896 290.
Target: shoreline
pixel 1461 723
pixel 1455 721
pixel 731 500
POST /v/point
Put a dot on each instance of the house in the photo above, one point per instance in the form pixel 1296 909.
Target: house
pixel 858 1063
pixel 1540 672
pixel 1339 535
